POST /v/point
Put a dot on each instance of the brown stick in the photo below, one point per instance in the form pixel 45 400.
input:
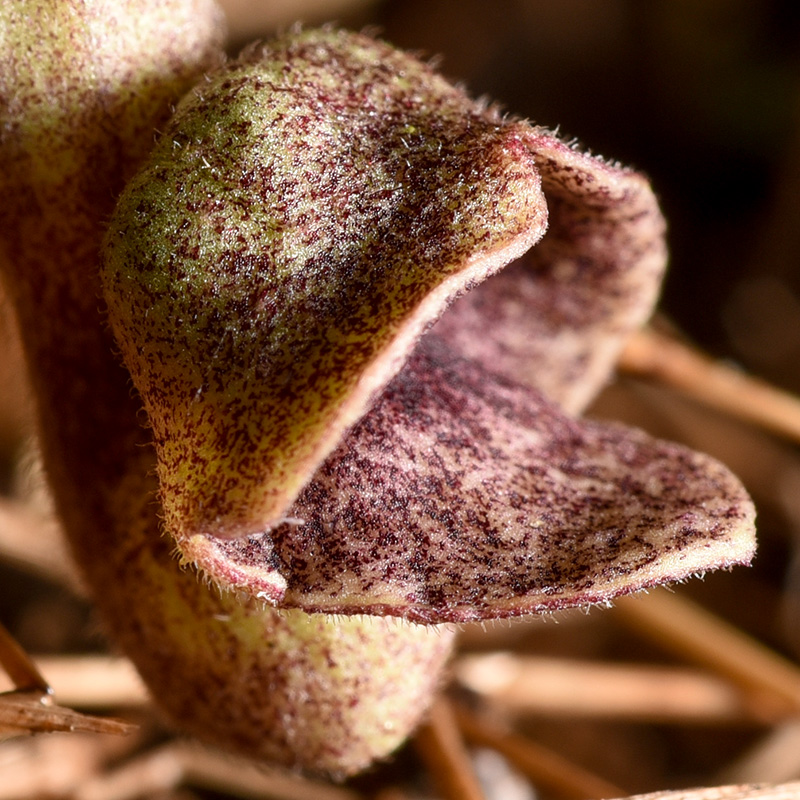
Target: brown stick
pixel 439 744
pixel 179 764
pixel 694 633
pixel 544 767
pixel 19 666
pixel 657 357
pixel 563 687
pixel 33 712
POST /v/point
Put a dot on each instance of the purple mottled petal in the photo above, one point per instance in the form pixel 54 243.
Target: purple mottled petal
pixel 465 496
pixel 558 317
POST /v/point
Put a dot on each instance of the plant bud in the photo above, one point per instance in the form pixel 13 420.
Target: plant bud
pixel 307 212
pixel 82 87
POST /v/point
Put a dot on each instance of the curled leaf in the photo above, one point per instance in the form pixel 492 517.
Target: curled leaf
pixel 305 215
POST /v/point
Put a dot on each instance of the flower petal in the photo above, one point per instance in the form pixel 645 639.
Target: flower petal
pixel 301 222
pixel 464 496
pixel 558 317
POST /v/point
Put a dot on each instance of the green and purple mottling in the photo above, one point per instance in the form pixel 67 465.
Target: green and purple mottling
pixel 310 210
pixel 306 213
pixel 82 85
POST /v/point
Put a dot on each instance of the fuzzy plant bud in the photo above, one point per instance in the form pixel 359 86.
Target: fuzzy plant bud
pixel 310 210
pixel 306 213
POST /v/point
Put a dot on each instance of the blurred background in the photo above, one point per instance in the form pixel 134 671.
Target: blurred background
pixel 704 97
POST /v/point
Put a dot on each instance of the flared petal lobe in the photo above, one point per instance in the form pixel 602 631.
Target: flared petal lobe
pixel 464 496
pixel 558 317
